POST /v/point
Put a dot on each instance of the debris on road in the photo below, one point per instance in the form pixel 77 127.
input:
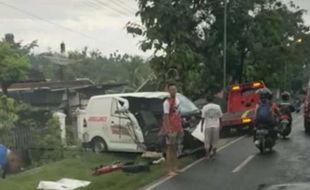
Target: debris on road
pixel 152 155
pixel 63 184
pixel 136 168
pixel 160 160
pixel 109 168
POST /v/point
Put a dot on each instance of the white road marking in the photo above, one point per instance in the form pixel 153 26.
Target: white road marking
pixel 232 142
pixel 243 164
pixel 163 180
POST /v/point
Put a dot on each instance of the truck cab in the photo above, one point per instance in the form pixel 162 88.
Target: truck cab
pixel 241 104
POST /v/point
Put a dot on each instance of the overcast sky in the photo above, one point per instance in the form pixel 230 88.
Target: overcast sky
pixel 98 24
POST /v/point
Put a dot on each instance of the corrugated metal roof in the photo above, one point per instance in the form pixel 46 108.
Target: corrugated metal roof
pixel 160 95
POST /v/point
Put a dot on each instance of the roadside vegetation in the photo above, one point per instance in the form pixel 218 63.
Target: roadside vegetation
pixel 80 165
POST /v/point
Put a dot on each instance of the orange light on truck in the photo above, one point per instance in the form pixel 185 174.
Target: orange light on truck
pixel 257 84
pixel 246 120
pixel 236 87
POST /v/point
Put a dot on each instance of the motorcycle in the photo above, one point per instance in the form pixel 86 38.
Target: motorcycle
pixel 264 139
pixel 285 126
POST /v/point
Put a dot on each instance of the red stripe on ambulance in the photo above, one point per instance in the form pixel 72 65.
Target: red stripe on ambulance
pixel 97 119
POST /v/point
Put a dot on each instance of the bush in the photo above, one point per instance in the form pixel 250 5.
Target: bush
pixel 34 133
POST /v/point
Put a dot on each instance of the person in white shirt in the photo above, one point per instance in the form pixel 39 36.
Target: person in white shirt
pixel 210 125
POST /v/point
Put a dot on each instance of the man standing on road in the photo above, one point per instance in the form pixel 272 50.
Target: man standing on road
pixel 210 123
pixel 172 128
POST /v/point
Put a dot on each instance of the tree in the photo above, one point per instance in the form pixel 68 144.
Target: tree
pixel 116 68
pixel 189 37
pixel 13 65
pixel 281 52
pixel 171 31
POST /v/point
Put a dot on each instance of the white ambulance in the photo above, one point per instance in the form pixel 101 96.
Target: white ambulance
pixel 130 122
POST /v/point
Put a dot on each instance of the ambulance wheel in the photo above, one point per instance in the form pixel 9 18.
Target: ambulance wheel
pixel 99 145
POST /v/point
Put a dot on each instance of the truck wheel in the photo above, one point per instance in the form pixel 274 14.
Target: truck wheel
pixel 307 126
pixel 251 131
pixel 99 145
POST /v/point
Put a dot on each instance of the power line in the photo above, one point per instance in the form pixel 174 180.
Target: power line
pixel 120 4
pixel 105 5
pixel 128 5
pixel 90 4
pixel 47 21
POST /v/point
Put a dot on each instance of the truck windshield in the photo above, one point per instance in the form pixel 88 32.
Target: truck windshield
pixel 186 105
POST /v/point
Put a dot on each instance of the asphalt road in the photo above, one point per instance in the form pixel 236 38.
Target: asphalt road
pixel 241 167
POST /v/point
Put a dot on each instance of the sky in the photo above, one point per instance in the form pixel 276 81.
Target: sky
pixel 97 24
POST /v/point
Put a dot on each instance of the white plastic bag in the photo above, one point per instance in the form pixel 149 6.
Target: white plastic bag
pixel 198 134
pixel 63 184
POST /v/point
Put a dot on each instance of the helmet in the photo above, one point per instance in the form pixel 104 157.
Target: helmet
pixel 264 94
pixel 285 96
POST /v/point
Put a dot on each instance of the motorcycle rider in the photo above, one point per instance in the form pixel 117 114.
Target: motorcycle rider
pixel 286 108
pixel 267 113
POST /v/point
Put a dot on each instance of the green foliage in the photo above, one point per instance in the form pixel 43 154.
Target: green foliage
pixel 188 36
pixel 13 65
pixel 46 142
pixel 116 68
pixel 34 133
pixel 7 112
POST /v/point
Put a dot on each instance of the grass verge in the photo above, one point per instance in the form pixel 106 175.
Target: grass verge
pixel 78 165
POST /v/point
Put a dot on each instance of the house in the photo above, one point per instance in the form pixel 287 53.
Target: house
pixel 64 96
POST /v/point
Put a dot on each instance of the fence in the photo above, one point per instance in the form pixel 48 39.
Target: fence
pixel 24 141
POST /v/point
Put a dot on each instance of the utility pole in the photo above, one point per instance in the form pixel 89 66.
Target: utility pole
pixel 225 46
pixel 61 67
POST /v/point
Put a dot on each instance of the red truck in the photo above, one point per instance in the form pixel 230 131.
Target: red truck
pixel 241 103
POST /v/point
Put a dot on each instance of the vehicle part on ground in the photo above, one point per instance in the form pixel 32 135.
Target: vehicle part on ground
pixel 153 155
pixel 108 168
pixel 136 168
pixel 160 160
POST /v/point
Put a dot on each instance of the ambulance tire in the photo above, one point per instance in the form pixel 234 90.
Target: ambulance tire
pixel 99 145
